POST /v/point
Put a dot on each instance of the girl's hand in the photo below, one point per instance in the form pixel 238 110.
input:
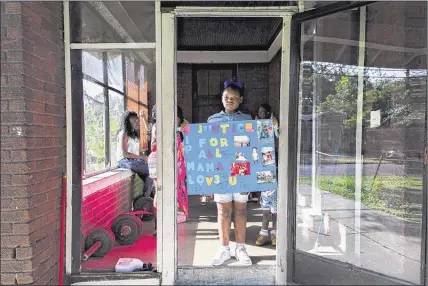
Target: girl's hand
pixel 144 158
pixel 155 201
pixel 184 125
pixel 275 123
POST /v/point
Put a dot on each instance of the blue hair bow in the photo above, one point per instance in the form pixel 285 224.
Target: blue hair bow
pixel 237 84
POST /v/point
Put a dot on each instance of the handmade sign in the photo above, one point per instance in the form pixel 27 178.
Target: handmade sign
pixel 230 157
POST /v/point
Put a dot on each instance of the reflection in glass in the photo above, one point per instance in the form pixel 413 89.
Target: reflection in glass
pixel 94 113
pixel 116 110
pixel 364 208
pixel 117 21
pixel 92 64
pixel 114 69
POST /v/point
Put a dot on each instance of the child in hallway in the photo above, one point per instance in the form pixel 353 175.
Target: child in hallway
pixel 182 196
pixel 268 199
pixel 227 204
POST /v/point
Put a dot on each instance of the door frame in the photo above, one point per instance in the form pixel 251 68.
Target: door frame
pixel 166 44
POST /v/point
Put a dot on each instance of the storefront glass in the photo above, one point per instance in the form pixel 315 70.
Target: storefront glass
pixel 362 125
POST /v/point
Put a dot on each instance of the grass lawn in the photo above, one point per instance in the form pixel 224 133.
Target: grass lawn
pixel 400 196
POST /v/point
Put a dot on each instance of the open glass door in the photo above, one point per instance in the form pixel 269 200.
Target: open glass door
pixel 361 193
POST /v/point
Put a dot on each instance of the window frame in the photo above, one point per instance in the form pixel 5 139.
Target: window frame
pixel 106 89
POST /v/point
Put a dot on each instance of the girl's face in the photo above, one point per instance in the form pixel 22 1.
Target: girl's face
pixel 135 123
pixel 263 114
pixel 231 100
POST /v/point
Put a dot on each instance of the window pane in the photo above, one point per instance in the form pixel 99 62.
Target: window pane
pixel 116 111
pixel 117 21
pixel 115 72
pixel 94 112
pixel 92 64
pixel 369 212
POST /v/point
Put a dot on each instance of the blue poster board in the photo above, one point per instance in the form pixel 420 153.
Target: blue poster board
pixel 230 157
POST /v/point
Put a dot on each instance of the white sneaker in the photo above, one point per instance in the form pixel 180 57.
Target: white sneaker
pixel 221 257
pixel 242 256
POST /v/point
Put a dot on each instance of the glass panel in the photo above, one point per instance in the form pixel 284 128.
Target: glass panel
pixel 116 111
pixel 108 193
pixel 117 22
pixel 94 112
pixel 92 64
pixel 316 4
pixel 369 212
pixel 115 71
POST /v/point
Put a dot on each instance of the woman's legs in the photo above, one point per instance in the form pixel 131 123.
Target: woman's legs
pixel 142 169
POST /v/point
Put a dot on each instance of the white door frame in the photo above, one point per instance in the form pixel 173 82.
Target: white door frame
pixel 166 95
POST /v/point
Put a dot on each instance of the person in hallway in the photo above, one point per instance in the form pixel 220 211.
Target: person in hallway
pixel 268 199
pixel 232 97
pixel 128 150
pixel 182 195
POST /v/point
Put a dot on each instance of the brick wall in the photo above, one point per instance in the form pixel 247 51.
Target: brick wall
pixel 32 140
pixel 184 89
pixel 256 82
pixel 100 207
pixel 255 78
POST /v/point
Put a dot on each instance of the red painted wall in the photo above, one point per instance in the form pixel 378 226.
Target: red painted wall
pixel 101 207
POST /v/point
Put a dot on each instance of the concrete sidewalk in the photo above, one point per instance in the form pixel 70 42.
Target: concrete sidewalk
pixel 373 239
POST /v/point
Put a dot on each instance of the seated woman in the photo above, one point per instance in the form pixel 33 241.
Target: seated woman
pixel 128 150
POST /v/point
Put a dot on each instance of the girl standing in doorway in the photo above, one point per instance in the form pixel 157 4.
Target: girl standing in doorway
pixel 268 199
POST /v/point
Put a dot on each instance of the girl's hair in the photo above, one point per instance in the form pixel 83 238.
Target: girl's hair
pixel 180 115
pixel 267 107
pixel 235 85
pixel 154 114
pixel 236 89
pixel 127 127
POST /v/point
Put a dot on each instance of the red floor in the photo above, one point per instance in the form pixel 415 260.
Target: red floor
pixel 143 249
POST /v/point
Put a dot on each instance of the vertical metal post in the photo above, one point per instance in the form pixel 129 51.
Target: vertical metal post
pixel 424 268
pixel 359 133
pixel 166 136
pixel 316 194
pixel 67 58
pixel 74 115
pixel 106 112
pixel 124 76
pixel 159 194
pixel 283 166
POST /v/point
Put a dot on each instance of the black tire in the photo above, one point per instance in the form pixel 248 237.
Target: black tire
pixel 106 238
pixel 145 204
pixel 127 229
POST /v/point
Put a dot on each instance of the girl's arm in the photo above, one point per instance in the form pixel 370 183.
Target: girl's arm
pixel 126 154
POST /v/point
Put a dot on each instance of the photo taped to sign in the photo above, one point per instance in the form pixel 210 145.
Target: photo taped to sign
pixel 226 157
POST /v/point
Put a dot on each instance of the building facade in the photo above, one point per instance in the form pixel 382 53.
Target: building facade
pixel 346 79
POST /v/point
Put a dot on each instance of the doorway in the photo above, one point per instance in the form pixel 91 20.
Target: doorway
pixel 207 83
pixel 252 65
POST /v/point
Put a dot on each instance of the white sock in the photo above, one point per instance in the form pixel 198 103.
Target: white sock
pixel 264 232
pixel 240 245
pixel 225 247
pixel 273 231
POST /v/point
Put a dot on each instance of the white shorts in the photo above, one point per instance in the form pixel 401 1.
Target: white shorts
pixel 227 198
